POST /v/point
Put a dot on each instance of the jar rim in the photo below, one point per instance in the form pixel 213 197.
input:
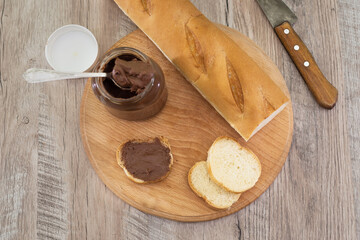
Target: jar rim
pixel 107 58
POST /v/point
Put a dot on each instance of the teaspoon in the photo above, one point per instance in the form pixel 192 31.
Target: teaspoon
pixel 36 75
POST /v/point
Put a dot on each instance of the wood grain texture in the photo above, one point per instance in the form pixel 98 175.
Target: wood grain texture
pixel 307 200
pixel 190 136
pixel 349 21
pixel 325 93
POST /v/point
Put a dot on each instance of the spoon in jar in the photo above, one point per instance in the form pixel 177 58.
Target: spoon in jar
pixel 36 75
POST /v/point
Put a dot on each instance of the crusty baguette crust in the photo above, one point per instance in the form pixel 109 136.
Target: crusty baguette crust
pixel 211 60
pixel 209 165
pixel 163 141
pixel 199 194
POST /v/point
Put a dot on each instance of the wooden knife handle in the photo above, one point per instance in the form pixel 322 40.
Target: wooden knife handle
pixel 325 93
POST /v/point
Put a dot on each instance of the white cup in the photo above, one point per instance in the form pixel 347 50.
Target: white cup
pixel 71 48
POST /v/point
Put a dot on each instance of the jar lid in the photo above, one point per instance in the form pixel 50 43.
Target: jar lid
pixel 71 48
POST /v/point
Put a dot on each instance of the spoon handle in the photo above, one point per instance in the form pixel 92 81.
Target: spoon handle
pixel 35 75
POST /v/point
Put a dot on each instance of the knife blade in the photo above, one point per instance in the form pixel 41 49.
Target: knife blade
pixel 281 18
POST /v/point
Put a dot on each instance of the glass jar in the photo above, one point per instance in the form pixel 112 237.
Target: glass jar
pixel 124 104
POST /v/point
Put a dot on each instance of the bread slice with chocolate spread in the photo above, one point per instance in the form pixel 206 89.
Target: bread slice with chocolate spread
pixel 145 161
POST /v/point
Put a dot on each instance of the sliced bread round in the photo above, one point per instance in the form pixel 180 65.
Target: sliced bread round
pixel 232 166
pixel 120 161
pixel 216 196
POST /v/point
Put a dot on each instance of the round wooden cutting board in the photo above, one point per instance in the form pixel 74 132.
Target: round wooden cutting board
pixel 191 125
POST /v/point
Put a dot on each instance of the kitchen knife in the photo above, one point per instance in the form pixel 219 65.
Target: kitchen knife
pixel 281 18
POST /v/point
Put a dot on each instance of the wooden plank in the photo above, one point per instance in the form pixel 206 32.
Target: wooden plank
pixel 57 143
pixel 247 17
pixel 349 22
pixel 18 125
pixel 94 211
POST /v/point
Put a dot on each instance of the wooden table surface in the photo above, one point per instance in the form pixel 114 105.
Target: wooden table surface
pixel 48 189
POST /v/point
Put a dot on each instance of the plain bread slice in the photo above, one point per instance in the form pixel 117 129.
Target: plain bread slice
pixel 201 183
pixel 232 166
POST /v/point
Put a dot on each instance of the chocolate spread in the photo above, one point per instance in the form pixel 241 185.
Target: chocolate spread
pixel 126 104
pixel 133 74
pixel 148 161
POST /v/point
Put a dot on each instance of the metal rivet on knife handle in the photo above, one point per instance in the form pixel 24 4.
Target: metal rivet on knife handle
pixel 281 18
pixel 324 93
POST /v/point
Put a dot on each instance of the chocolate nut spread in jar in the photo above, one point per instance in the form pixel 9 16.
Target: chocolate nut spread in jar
pixel 143 79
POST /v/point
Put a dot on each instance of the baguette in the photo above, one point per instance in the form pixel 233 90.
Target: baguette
pixel 211 60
